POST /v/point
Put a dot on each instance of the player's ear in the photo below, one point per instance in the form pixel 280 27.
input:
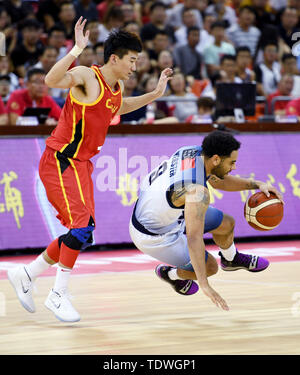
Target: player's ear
pixel 216 160
pixel 113 59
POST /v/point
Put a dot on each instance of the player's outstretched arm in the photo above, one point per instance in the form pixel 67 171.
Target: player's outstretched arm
pixel 196 204
pixel 235 183
pixel 59 76
pixel 133 103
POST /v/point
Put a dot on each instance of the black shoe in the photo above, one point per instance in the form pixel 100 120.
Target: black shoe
pixel 251 263
pixel 184 287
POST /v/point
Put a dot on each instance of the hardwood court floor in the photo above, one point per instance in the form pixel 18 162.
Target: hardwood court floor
pixel 135 313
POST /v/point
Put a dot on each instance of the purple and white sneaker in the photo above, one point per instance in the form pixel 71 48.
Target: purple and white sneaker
pixel 251 263
pixel 184 287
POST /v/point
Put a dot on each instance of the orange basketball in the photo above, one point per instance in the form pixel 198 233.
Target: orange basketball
pixel 263 213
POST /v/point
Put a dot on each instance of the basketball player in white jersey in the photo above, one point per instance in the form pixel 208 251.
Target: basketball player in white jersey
pixel 173 212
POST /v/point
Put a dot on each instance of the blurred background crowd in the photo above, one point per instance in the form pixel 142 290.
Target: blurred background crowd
pixel 205 42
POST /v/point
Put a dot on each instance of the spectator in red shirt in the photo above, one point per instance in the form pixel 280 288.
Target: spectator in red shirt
pixel 285 87
pixel 293 108
pixel 3 113
pixel 35 95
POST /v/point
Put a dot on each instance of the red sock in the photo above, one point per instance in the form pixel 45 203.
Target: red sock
pixel 53 251
pixel 68 256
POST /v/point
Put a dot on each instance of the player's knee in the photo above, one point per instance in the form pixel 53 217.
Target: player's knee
pixel 228 223
pixel 79 238
pixel 211 266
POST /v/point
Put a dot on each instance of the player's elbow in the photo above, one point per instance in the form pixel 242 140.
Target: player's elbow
pixel 49 81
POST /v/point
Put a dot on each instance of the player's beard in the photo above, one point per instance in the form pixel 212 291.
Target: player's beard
pixel 219 171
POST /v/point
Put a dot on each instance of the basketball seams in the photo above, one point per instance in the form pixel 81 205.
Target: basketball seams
pixel 250 213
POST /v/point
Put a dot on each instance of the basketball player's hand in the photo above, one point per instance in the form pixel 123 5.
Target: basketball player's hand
pixel 164 78
pixel 266 188
pixel 81 40
pixel 215 297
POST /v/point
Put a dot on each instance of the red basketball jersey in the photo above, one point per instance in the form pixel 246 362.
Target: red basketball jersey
pixel 82 127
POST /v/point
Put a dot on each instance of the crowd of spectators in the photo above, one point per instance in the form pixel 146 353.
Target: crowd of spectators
pixel 204 41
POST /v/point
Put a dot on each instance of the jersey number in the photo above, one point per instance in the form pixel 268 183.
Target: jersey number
pixel 158 172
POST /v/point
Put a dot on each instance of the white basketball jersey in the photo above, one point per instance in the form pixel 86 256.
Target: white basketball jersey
pixel 154 209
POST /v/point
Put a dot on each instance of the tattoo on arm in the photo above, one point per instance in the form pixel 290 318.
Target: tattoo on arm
pixel 202 204
pixel 251 185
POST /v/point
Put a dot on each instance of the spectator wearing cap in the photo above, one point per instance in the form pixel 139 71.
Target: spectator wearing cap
pixel 28 51
pixel 213 53
pixel 244 33
pixel 186 57
pixel 34 95
pixel 157 23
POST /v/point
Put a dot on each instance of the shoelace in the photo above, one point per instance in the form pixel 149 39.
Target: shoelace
pixel 244 259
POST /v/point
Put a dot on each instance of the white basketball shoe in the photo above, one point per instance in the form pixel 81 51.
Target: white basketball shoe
pixel 23 285
pixel 59 303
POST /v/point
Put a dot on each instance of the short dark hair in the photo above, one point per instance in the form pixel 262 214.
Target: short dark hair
pixel 34 71
pixel 218 24
pixel 227 57
pixel 31 23
pixel 287 56
pixel 157 4
pixel 205 102
pixel 219 143
pixel 56 28
pixel 249 8
pixel 120 42
pixel 98 44
pixel 242 49
pixel 192 28
pixel 270 43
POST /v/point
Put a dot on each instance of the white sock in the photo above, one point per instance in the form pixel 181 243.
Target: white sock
pixel 38 266
pixel 173 274
pixel 229 253
pixel 62 278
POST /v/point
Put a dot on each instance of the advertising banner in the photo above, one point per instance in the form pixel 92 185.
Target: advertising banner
pixel 28 220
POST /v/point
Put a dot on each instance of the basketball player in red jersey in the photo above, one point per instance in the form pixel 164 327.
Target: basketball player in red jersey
pixel 94 98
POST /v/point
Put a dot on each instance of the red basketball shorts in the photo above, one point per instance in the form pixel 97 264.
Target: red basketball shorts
pixel 69 187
